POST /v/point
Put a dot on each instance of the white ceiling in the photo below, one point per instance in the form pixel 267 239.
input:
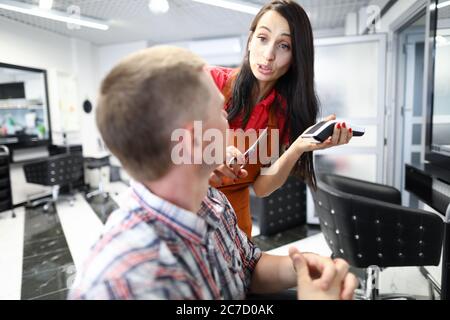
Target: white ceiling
pixel 131 20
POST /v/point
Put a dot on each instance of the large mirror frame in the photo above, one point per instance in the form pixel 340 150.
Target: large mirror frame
pixel 432 153
pixel 41 135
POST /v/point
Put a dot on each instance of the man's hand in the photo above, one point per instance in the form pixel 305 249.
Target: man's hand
pixel 320 278
pixel 228 173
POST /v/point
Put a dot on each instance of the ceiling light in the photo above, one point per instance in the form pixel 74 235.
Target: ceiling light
pixel 45 4
pixel 232 5
pixel 443 4
pixel 158 6
pixel 52 14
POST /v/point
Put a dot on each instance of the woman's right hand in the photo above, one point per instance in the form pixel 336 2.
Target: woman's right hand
pixel 231 172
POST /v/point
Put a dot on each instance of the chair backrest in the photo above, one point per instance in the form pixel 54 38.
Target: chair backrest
pixel 97 163
pixel 365 231
pixel 362 188
pixel 283 209
pixel 56 170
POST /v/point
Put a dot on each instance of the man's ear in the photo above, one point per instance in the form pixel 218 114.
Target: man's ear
pixel 183 145
pixel 191 136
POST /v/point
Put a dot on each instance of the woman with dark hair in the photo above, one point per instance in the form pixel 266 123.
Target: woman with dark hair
pixel 273 88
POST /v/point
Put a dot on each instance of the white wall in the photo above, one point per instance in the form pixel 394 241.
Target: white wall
pixel 221 52
pixel 85 66
pixel 24 45
pixel 32 47
pixel 90 64
pixel 109 56
pixel 72 64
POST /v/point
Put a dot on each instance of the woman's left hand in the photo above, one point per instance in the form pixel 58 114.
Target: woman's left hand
pixel 341 135
pixel 228 172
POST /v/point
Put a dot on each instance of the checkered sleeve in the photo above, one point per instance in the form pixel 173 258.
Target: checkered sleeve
pixel 129 289
pixel 248 251
pixel 250 254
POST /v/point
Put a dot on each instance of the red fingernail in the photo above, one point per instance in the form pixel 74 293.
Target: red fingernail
pixel 350 130
pixel 343 125
pixel 338 126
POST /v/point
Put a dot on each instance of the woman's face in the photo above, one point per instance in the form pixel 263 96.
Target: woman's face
pixel 270 48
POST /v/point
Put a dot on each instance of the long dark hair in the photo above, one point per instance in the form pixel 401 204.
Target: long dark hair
pixel 296 86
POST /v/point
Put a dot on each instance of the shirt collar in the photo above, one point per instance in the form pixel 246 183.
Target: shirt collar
pixel 187 224
pixel 267 101
pixel 212 208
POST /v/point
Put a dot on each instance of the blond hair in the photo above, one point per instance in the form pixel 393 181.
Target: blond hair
pixel 143 99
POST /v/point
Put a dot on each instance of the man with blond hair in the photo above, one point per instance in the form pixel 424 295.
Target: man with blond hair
pixel 173 236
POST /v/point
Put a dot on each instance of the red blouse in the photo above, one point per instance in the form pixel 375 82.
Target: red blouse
pixel 260 114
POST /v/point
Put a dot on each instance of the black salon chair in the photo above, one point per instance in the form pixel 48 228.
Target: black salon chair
pixel 55 171
pixel 365 224
pixel 97 164
pixel 284 209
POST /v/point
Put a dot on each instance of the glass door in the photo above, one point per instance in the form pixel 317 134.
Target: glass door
pixel 350 80
pixel 411 117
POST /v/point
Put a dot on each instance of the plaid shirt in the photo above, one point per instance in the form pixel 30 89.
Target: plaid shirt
pixel 152 249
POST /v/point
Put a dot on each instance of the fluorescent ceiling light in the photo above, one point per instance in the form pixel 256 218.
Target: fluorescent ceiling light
pixel 45 4
pixel 52 14
pixel 443 4
pixel 232 5
pixel 158 6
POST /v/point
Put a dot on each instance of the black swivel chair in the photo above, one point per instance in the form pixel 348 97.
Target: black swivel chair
pixel 365 224
pixel 55 171
pixel 284 209
pixel 97 164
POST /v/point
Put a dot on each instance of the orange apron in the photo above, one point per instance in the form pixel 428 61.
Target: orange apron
pixel 239 193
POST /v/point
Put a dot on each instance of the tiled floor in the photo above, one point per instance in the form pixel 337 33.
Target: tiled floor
pixel 47 267
pixel 267 243
pixel 42 250
pixel 51 244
